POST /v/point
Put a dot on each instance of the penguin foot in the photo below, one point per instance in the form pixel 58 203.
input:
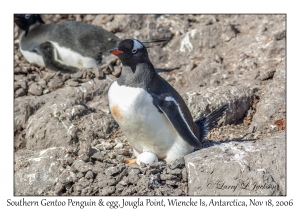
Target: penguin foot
pixel 130 161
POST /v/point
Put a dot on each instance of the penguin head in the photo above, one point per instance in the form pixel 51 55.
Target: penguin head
pixel 24 21
pixel 131 52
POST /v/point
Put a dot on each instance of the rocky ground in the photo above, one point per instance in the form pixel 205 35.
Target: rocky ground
pixel 67 143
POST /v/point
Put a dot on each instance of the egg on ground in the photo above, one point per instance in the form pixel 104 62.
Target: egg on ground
pixel 147 158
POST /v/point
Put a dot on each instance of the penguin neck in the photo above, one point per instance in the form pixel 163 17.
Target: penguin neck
pixel 137 76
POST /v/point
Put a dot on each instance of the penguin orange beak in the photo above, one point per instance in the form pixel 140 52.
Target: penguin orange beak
pixel 116 51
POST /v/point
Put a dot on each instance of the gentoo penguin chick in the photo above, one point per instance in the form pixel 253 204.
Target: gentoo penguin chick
pixel 64 46
pixel 150 112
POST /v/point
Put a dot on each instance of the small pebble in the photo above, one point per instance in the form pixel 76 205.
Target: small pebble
pixel 89 175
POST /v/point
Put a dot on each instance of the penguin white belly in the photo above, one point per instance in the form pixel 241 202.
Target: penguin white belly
pixel 63 55
pixel 72 58
pixel 32 57
pixel 145 127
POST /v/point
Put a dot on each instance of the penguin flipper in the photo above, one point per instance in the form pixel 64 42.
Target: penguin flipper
pixel 171 109
pixel 205 124
pixel 48 53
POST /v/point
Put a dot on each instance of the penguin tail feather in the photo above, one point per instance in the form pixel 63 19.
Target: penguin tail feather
pixel 147 43
pixel 205 124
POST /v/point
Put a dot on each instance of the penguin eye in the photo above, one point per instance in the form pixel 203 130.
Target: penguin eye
pixel 27 16
pixel 134 50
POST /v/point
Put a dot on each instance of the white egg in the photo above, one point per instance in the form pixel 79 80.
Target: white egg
pixel 147 158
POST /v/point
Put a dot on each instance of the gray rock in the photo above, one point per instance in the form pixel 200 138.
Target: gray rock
pixel 116 71
pixel 84 157
pixel 85 146
pixel 123 174
pixel 36 173
pixel 89 175
pixel 46 91
pixel 78 75
pixel 26 106
pixel 184 175
pixel 79 175
pixel 59 187
pixel 266 74
pixel 17 70
pixel 16 86
pixel 89 17
pixel 35 89
pixel 155 181
pixel 21 83
pixel 133 178
pixel 83 182
pixel 25 68
pixel 178 163
pixel 171 182
pixel 61 117
pixel 134 171
pixel 77 188
pixel 98 156
pixel 142 183
pixel 98 167
pixel 106 182
pixel 104 146
pixel 153 171
pixel 42 82
pixel 275 94
pixel 120 159
pixel 65 77
pixel 20 92
pixel 239 168
pixel 124 152
pixel 108 190
pixel 55 83
pixel 124 181
pixel 176 172
pixel 67 176
pixel 112 155
pixel 98 72
pixel 128 191
pixel 111 171
pixel 71 83
pixel 81 166
pixel 48 75
pixel 165 177
pixel 54 127
pixel 206 100
pixel 34 77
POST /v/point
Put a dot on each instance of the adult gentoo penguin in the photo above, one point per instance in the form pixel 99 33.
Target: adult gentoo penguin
pixel 64 46
pixel 150 111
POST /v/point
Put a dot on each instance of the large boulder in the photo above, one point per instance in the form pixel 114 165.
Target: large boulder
pixel 271 110
pixel 239 168
pixel 36 173
pixel 204 100
pixel 64 116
